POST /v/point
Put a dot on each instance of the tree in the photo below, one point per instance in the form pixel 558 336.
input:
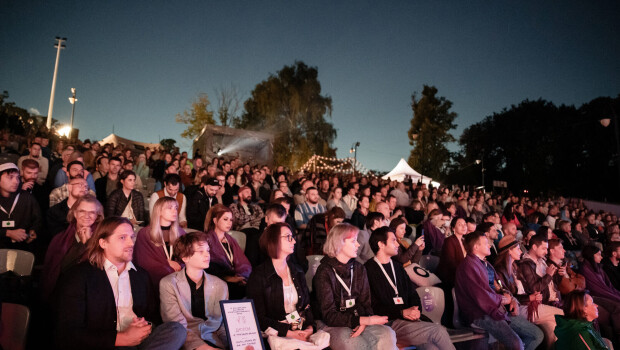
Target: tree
pixel 228 105
pixel 168 144
pixel 432 120
pixel 290 105
pixel 196 117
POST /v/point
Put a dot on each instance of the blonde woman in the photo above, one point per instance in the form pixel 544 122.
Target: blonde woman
pixel 154 244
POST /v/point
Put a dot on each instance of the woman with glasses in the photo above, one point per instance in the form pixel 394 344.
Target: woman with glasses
pixel 153 250
pixel 67 248
pixel 278 287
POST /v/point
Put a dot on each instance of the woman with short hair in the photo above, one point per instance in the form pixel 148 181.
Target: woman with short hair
pixel 278 288
pixel 343 292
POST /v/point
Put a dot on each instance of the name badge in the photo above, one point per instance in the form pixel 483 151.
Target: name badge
pixel 8 223
pixel 350 303
pixel 398 301
pixel 293 317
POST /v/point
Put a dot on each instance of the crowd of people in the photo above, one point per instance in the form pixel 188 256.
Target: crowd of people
pixel 137 248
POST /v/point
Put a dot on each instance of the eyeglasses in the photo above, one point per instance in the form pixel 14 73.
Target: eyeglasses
pixel 86 212
pixel 288 238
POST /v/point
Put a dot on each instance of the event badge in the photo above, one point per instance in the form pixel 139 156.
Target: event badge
pixel 398 301
pixel 8 223
pixel 293 317
pixel 350 303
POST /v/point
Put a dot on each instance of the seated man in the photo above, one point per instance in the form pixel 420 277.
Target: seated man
pixel 107 302
pixel 246 214
pixel 306 210
pixel 20 214
pixel 393 294
pixel 203 318
pixel 60 193
pixel 537 275
pixel 56 216
pixel 172 185
pixel 482 306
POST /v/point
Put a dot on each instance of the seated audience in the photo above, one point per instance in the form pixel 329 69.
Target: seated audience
pixel 319 226
pixel 56 216
pixel 107 302
pixel 433 236
pixel 575 330
pixel 597 281
pixel 358 218
pixel 483 307
pixel 172 184
pixel 452 253
pixel 343 295
pixel 335 200
pixel 407 253
pixel 108 183
pixel 610 264
pixel 126 201
pixel 153 250
pixel 191 296
pixel 228 261
pixel 393 294
pixel 537 276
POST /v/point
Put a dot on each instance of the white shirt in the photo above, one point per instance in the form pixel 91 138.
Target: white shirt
pixel 121 286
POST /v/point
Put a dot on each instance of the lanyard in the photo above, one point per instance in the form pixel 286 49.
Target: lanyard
pixel 228 252
pixel 386 275
pixel 12 208
pixel 168 255
pixel 342 282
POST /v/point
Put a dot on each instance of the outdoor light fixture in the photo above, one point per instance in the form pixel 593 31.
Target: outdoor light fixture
pixel 64 131
pixel 219 152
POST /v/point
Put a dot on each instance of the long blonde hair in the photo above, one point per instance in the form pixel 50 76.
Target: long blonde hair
pixel 157 236
pixel 106 227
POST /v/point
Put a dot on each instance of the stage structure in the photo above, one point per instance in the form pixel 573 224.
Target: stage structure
pixel 334 165
pixel 252 147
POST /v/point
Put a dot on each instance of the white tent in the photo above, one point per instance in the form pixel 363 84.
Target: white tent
pixel 116 140
pixel 402 170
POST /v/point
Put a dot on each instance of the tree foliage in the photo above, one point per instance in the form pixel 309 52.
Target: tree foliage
pixel 544 148
pixel 168 144
pixel 429 132
pixel 19 121
pixel 228 105
pixel 196 117
pixel 290 105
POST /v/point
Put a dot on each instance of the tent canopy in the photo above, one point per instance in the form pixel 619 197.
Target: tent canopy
pixel 133 145
pixel 402 170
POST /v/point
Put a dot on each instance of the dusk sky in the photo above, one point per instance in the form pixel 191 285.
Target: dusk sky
pixel 135 64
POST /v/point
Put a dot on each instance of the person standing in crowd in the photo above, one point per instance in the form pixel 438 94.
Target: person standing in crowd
pixel 393 294
pixel 107 301
pixel 228 261
pixel 278 287
pixel 191 296
pixel 343 293
pixel 154 243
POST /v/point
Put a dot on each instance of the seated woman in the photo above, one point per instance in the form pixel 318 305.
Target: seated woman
pixel 574 330
pixel 318 227
pixel 335 200
pixel 153 249
pixel 126 201
pixel 433 236
pixel 452 253
pixel 278 287
pixel 597 281
pixel 358 218
pixel 343 295
pixel 191 296
pixel 68 248
pixel 508 281
pixel 407 253
pixel 227 259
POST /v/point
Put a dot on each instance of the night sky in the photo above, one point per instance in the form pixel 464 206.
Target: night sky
pixel 135 64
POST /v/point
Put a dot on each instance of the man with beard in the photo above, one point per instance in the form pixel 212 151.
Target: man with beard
pixel 75 171
pixel 30 174
pixel 201 201
pixel 247 218
pixel 172 184
pixel 306 210
pixel 35 154
pixel 106 301
pixel 108 183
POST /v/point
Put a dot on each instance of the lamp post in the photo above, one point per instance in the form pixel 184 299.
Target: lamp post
pixel 354 151
pixel 72 100
pixel 59 45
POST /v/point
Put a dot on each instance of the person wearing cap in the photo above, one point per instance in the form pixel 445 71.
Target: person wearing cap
pixel 394 295
pixel 201 201
pixel 20 215
pixel 529 305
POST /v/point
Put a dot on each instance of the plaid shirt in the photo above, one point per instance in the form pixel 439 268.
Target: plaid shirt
pixel 243 219
pixel 59 194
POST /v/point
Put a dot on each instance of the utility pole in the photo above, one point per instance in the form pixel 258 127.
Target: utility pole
pixel 73 100
pixel 59 45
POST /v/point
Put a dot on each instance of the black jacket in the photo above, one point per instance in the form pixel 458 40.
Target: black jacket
pixel 265 287
pixel 27 215
pixel 197 209
pixel 383 294
pixel 56 218
pixel 86 309
pixel 332 296
pixel 117 202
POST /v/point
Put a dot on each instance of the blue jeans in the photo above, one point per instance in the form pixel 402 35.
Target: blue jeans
pixel 520 334
pixel 166 336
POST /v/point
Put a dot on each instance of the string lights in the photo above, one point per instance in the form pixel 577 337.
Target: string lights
pixel 333 164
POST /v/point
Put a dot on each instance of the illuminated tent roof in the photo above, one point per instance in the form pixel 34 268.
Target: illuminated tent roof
pixel 402 170
pixel 136 145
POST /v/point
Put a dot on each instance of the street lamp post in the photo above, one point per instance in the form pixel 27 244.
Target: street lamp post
pixel 59 45
pixel 354 151
pixel 72 100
